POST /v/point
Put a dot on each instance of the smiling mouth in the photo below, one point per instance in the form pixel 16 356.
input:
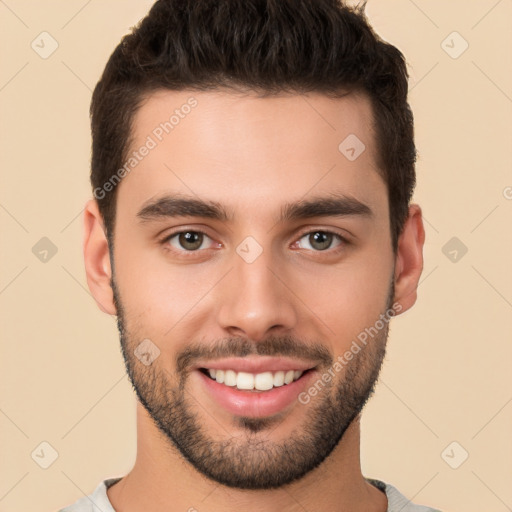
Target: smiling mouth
pixel 246 381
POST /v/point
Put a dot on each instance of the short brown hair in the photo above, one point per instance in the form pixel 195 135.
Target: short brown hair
pixel 268 46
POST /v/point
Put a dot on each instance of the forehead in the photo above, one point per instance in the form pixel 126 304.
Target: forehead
pixel 241 149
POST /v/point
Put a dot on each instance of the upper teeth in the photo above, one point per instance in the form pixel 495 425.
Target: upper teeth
pixel 260 381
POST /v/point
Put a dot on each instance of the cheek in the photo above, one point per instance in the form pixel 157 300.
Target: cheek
pixel 351 297
pixel 157 295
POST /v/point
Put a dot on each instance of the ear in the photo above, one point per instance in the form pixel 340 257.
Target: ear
pixel 97 258
pixel 409 259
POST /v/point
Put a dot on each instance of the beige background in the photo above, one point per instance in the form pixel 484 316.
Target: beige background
pixel 447 375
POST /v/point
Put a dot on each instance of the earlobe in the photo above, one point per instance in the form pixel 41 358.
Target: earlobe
pixel 97 258
pixel 409 259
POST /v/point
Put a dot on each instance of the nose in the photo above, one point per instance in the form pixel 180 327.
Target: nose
pixel 256 301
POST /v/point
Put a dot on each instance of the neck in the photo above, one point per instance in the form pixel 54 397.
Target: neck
pixel 160 476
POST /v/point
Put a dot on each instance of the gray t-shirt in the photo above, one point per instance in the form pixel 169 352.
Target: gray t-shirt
pixel 98 501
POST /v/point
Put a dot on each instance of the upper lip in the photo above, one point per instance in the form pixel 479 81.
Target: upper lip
pixel 258 364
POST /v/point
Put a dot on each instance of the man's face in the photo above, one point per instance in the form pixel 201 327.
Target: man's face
pixel 270 287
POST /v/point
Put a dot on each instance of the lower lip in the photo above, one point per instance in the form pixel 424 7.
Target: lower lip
pixel 256 404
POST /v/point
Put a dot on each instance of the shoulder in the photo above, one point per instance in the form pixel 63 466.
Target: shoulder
pixel 397 501
pixel 97 501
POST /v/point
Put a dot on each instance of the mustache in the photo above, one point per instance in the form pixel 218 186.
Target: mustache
pixel 243 347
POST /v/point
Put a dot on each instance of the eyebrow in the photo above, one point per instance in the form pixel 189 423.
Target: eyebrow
pixel 334 205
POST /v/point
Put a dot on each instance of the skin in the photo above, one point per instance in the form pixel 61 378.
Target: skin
pixel 251 155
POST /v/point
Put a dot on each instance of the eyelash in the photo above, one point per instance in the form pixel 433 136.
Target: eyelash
pixel 187 254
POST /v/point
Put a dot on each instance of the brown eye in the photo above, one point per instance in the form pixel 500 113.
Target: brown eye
pixel 190 240
pixel 320 240
pixel 186 240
